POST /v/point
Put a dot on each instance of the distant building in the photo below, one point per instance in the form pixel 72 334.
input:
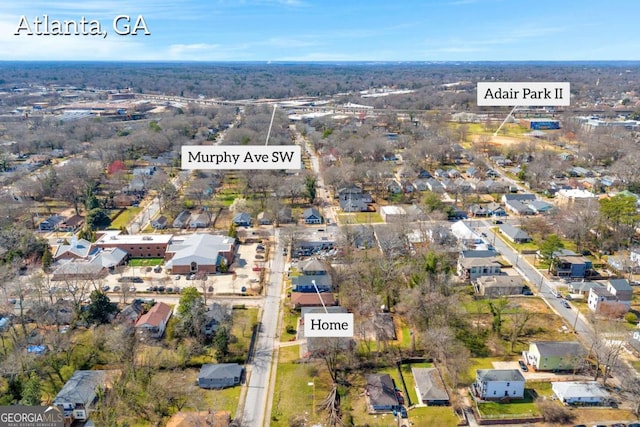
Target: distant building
pixel 430 387
pixel 540 123
pixel 380 392
pixel 154 322
pixel 577 198
pixel 497 286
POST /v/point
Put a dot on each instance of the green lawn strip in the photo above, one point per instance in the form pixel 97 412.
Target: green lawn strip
pixel 125 217
pixel 243 322
pixel 289 319
pixel 145 262
pixel 294 396
pixel 433 416
pixel 516 408
pixel 289 353
pixel 542 388
pixel 359 218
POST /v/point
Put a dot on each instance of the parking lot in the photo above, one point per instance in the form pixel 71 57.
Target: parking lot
pixel 244 280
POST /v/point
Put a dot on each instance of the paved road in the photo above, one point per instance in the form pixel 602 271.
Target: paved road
pixel 537 280
pixel 256 413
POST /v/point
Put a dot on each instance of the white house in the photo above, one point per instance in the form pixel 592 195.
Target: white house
pixel 496 384
pixel 582 393
pixel 599 296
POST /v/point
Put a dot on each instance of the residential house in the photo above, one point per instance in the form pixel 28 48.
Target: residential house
pixel 313 272
pixel 430 387
pixel 200 419
pixel 540 206
pixel 242 219
pixel 124 200
pixel 220 375
pixel 465 234
pixel 393 186
pixel 498 286
pixel 434 185
pixel 583 287
pixel 588 393
pixel 354 199
pixel 555 355
pixel 577 198
pixel 520 197
pixel 498 384
pixel 284 215
pixel 496 210
pixel 600 297
pixel 200 252
pixel 182 219
pixel 421 184
pixel 312 299
pixel 312 216
pixel 472 172
pixel 264 218
pixel 392 214
pixel 131 313
pixel 71 224
pixel 52 223
pixel 470 269
pixel 79 394
pixel 200 220
pixel 380 392
pixel 478 211
pixel 154 322
pixel 160 223
pixel 517 207
pixel 571 265
pixel 515 234
pixel 621 289
pixel 215 315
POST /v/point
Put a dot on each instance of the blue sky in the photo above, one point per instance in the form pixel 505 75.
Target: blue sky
pixel 332 30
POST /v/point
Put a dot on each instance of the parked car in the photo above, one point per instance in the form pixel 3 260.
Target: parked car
pixel 116 288
pixel 566 304
pixel 132 289
pixel 523 366
pixel 258 256
pixel 403 412
pixel 105 288
pixel 176 277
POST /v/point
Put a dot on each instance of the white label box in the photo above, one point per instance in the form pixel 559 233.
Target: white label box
pixel 241 157
pixel 328 325
pixel 511 94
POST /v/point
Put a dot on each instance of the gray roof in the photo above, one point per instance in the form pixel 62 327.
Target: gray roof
pixel 220 371
pixel 311 212
pixel 499 375
pixel 520 197
pixel 559 348
pixel 81 248
pixel 381 390
pixel 514 233
pixel 202 248
pixel 81 388
pixel 574 389
pixel 620 285
pixel 429 384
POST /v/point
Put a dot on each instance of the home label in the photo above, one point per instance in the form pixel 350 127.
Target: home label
pixel 328 325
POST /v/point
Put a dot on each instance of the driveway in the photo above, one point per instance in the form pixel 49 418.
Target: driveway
pixel 541 376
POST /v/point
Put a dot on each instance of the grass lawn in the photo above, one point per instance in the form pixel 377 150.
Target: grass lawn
pixel 243 322
pixel 520 247
pixel 478 363
pixel 145 262
pixel 294 396
pixel 125 217
pixel 542 388
pixel 524 407
pixel 289 318
pixel 435 416
pixel 289 354
pixel 359 218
